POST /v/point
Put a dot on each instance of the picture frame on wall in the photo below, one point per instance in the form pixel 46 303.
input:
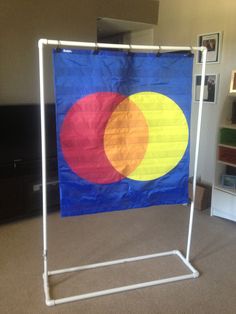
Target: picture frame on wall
pixel 210 88
pixel 232 89
pixel 212 41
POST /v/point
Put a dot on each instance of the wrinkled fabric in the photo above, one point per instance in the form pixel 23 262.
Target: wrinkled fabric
pixel 117 144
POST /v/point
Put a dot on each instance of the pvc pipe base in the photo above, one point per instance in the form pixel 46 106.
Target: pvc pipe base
pixel 50 302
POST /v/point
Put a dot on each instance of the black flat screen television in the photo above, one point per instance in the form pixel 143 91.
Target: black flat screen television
pixel 20 133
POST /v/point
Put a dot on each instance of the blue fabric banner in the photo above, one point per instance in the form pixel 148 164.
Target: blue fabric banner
pixel 123 125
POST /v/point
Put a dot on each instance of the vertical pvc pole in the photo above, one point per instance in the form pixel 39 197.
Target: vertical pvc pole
pixel 41 42
pixel 199 121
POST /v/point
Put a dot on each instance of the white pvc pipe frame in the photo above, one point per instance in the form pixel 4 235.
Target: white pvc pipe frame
pixel 194 273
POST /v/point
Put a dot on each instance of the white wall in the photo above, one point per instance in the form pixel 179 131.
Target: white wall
pixel 179 23
pixel 23 22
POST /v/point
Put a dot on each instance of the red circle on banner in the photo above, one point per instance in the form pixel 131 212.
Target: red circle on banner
pixel 82 137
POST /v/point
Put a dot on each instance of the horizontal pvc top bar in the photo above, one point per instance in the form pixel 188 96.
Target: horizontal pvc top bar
pixel 42 42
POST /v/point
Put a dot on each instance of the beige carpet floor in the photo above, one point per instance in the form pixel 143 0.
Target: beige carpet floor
pixel 90 239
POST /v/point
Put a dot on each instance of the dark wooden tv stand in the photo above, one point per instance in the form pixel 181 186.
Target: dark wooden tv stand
pixel 20 162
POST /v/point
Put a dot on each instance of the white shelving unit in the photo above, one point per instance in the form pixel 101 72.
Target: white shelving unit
pixel 224 197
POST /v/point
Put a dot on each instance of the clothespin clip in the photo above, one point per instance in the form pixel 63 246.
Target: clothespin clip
pixel 129 50
pixel 96 49
pixel 159 51
pixel 58 49
pixel 191 53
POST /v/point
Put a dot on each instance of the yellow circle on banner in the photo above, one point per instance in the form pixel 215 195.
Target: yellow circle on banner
pixel 167 135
